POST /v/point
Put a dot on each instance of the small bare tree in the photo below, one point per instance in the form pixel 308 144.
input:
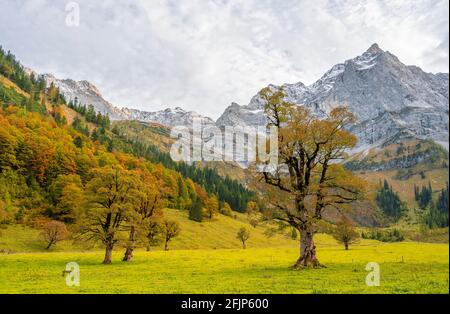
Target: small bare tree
pixel 243 235
pixel 53 232
pixel 171 230
pixel 345 233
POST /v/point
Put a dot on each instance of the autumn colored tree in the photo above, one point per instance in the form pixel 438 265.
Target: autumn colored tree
pixel 8 144
pixel 40 155
pixel 148 206
pixel 211 207
pixel 53 232
pixel 252 207
pixel 59 115
pixel 308 176
pixel 253 214
pixel 225 209
pixel 344 232
pixel 154 232
pixel 67 195
pixel 243 235
pixel 112 195
pixel 171 229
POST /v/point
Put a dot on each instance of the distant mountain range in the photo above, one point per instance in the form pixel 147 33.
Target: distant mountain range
pixel 391 100
pixel 88 94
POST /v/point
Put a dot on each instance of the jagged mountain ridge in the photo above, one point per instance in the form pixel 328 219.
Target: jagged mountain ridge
pixel 169 117
pixel 88 94
pixel 392 101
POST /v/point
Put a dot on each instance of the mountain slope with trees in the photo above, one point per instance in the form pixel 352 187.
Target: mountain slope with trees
pixel 72 173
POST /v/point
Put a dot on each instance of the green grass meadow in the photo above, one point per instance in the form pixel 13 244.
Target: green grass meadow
pixel 207 258
pixel 406 267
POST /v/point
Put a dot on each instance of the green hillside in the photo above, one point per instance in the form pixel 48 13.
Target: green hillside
pixel 220 233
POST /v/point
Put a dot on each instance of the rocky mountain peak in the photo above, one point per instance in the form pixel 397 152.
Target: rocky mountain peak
pixel 374 49
pixel 390 100
pixel 88 87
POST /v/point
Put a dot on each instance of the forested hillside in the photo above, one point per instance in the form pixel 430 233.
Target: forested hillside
pixel 227 189
pixel 76 170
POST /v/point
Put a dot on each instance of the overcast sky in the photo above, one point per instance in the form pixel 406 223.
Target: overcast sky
pixel 204 54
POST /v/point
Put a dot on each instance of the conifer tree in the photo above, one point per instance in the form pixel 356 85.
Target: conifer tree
pixel 196 210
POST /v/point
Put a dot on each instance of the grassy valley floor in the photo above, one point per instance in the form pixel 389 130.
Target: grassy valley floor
pixel 406 267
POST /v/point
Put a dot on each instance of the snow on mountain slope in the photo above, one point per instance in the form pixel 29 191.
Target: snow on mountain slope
pixel 391 100
pixel 88 94
pixel 169 117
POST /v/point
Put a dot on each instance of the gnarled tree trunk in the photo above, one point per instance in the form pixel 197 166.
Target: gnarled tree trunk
pixel 130 247
pixel 308 256
pixel 166 246
pixel 108 252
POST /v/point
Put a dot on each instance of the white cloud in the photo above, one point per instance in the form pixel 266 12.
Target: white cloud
pixel 202 55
